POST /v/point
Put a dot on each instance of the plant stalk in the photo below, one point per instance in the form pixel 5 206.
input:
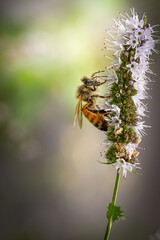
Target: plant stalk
pixel 109 224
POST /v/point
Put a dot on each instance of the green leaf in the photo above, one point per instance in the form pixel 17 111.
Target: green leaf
pixel 145 19
pixel 109 163
pixel 136 172
pixel 115 213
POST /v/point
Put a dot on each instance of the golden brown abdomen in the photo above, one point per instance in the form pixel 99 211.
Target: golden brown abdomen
pixel 95 118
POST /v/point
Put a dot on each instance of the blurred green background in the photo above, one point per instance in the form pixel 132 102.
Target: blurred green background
pixel 51 185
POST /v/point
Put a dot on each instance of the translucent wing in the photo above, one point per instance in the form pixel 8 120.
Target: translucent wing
pixel 78 113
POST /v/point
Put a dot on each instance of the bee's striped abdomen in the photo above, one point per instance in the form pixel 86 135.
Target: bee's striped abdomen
pixel 95 118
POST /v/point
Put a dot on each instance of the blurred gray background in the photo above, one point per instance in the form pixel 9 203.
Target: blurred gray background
pixel 51 185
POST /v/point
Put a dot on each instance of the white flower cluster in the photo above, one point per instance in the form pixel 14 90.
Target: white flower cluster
pixel 125 166
pixel 135 36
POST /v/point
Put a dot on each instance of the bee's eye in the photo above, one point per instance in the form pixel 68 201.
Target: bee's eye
pixel 87 82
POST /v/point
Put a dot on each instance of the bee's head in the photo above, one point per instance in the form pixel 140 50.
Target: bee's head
pixel 87 81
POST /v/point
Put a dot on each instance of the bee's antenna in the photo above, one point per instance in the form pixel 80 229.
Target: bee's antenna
pixel 96 72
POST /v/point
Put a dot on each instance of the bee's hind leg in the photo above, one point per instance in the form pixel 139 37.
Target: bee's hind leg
pixel 104 112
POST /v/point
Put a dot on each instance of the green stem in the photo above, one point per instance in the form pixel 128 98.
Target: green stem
pixel 109 225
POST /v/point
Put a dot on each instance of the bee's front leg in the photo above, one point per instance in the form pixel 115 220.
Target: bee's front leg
pixel 99 96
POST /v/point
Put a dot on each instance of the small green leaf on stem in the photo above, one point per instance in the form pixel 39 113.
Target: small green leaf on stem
pixel 115 213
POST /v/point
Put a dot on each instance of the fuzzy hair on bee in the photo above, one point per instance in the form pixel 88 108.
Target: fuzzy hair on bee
pixel 86 92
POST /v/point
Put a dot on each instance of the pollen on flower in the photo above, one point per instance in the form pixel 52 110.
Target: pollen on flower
pixel 132 41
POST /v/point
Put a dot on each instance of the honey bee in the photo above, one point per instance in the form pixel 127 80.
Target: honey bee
pixel 86 93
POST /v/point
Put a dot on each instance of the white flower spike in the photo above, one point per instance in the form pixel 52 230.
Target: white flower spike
pixel 132 42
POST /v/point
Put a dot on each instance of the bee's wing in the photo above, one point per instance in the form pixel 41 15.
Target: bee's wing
pixel 78 113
